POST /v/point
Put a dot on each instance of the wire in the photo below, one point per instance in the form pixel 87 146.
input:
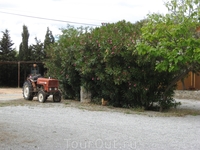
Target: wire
pixel 26 12
pixel 48 19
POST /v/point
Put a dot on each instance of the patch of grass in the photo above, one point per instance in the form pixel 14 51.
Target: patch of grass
pixel 127 112
pixel 4 104
pixel 20 102
pixel 66 103
pixel 133 110
pixel 183 112
pixel 138 109
pixel 173 112
pixel 110 107
pixel 91 107
pixel 81 107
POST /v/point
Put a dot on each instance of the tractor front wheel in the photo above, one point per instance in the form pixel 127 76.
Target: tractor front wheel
pixel 57 97
pixel 28 90
pixel 41 96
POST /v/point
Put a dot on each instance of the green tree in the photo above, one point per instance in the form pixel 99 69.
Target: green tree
pixel 7 53
pixel 171 40
pixel 37 51
pixel 49 39
pixel 24 50
pixel 8 72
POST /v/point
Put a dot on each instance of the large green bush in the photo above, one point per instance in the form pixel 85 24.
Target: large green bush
pixel 102 60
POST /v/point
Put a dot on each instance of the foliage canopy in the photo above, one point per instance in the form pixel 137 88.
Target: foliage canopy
pixel 173 40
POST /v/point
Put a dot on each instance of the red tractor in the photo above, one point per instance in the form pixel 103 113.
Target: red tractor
pixel 42 88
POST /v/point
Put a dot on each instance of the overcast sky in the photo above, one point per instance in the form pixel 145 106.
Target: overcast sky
pixel 79 11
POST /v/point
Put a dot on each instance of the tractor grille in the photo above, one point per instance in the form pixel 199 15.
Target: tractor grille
pixel 53 83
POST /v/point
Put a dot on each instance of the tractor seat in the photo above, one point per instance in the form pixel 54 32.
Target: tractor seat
pixel 35 77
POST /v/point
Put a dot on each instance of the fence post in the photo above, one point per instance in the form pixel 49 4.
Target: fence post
pixel 85 95
pixel 18 74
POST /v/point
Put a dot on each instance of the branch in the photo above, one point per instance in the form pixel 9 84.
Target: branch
pixel 177 78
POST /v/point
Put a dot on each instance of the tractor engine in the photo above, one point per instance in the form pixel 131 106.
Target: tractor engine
pixel 48 85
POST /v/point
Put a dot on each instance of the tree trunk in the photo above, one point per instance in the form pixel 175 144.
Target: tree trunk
pixel 183 84
pixel 174 81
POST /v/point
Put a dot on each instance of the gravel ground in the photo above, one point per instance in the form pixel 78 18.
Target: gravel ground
pixel 69 125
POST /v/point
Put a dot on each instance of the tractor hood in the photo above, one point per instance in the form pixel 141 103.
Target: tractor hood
pixel 48 82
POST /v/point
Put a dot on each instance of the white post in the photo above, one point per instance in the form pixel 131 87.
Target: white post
pixel 85 95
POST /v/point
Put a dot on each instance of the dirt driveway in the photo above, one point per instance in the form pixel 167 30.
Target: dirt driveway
pixel 10 93
pixel 30 125
pixel 10 90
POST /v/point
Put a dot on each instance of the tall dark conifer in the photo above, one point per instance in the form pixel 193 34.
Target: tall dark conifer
pixel 37 50
pixel 24 50
pixel 49 39
pixel 7 53
pixel 25 53
pixel 8 72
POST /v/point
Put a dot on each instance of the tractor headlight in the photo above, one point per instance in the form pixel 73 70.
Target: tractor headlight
pixel 50 89
pixel 56 89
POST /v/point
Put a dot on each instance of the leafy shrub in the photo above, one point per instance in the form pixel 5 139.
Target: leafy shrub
pixel 104 60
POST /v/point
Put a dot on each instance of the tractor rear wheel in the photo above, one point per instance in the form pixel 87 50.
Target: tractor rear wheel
pixel 57 97
pixel 28 90
pixel 41 96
